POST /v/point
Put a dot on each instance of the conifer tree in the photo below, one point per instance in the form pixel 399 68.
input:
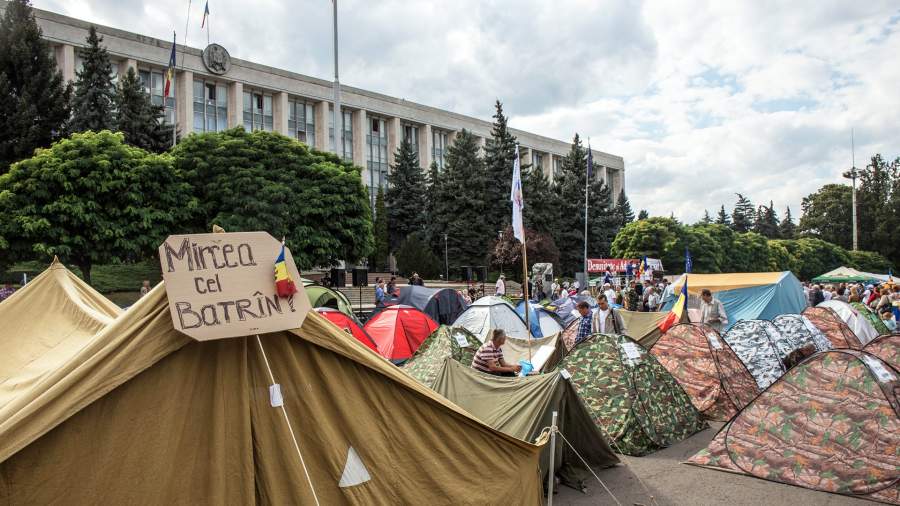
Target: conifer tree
pixel 541 200
pixel 722 218
pixel 643 215
pixel 94 102
pixel 500 153
pixel 461 208
pixel 787 229
pixel 623 209
pixel 743 215
pixel 379 258
pixel 34 99
pixel 706 220
pixel 433 205
pixel 405 198
pixel 138 119
pixel 766 222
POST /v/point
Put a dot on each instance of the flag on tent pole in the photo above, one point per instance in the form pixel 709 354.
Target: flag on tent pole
pixel 205 14
pixel 680 306
pixel 284 285
pixel 170 72
pixel 518 202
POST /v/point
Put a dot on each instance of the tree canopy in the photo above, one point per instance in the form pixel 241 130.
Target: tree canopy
pixel 138 119
pixel 93 106
pixel 34 99
pixel 742 217
pixel 405 198
pixel 499 155
pixel 92 199
pixel 827 215
pixel 266 181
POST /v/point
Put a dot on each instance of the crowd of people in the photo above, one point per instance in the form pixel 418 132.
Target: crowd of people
pixel 883 299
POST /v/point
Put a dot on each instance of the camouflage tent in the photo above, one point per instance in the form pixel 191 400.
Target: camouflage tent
pixel 831 325
pixel 831 423
pixel 761 348
pixel 887 348
pixel 523 407
pixel 632 398
pixel 871 317
pixel 800 330
pixel 716 380
pixel 454 342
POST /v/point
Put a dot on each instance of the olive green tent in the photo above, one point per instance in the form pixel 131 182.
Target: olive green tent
pixel 322 296
pixel 545 352
pixel 643 327
pixel 523 407
pixel 631 396
pixel 454 342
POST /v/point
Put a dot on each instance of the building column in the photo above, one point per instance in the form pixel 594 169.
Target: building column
pixel 184 102
pixel 360 130
pixel 322 113
pixel 548 166
pixel 130 63
pixel 65 61
pixel 451 138
pixel 235 104
pixel 280 113
pixel 395 137
pixel 425 146
pixel 482 144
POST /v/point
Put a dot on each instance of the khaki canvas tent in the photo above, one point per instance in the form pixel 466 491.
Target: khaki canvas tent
pixel 545 353
pixel 644 328
pixel 832 423
pixel 146 415
pixel 523 407
pixel 54 315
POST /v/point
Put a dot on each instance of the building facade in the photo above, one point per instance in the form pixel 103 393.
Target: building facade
pixel 213 91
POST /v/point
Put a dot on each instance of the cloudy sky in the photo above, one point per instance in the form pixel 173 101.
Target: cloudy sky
pixel 702 99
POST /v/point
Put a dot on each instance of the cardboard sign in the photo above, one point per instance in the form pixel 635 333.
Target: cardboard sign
pixel 223 285
pixel 631 350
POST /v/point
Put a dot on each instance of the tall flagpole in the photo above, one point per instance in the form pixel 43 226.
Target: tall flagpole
pixel 186 26
pixel 587 177
pixel 518 225
pixel 338 117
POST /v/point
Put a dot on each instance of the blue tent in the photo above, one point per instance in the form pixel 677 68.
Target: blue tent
pixel 745 295
pixel 543 323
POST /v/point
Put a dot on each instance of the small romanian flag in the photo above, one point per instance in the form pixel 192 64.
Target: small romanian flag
pixel 284 285
pixel 170 72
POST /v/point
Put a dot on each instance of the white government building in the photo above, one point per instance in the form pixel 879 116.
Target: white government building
pixel 214 91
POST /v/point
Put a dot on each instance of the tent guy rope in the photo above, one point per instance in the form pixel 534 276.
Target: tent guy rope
pixel 288 421
pixel 608 491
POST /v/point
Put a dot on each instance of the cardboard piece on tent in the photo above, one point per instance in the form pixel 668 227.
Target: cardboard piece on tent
pixel 222 285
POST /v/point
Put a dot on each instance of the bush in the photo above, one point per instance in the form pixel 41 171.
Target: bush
pixel 869 261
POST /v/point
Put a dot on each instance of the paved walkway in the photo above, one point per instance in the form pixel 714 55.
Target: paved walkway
pixel 674 483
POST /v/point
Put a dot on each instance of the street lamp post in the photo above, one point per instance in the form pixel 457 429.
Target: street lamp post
pixel 852 175
pixel 446 262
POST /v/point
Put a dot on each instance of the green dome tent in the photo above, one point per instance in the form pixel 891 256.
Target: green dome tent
pixel 631 397
pixel 322 296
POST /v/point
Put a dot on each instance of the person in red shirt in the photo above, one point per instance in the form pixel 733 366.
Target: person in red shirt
pixel 489 358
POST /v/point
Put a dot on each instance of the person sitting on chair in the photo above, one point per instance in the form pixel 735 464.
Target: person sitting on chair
pixel 489 358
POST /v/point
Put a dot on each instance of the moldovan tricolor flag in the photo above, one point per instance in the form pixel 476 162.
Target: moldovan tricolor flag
pixel 170 72
pixel 678 309
pixel 284 285
pixel 205 14
pixel 515 196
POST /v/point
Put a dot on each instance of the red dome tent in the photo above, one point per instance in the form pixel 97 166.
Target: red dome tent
pixel 398 331
pixel 348 325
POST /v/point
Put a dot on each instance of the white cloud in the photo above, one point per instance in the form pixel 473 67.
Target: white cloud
pixel 703 99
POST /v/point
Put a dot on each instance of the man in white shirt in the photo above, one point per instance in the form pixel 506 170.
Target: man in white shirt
pixel 606 319
pixel 827 294
pixel 712 311
pixel 609 292
pixel 500 287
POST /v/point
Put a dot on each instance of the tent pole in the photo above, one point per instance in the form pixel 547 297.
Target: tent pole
pixel 550 472
pixel 525 292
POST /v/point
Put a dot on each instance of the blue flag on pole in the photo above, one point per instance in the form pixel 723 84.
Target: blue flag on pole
pixel 688 261
pixel 518 202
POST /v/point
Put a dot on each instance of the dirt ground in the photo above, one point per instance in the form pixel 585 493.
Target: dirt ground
pixel 673 483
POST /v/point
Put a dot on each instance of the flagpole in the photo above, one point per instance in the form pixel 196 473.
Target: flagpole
pixel 186 26
pixel 586 182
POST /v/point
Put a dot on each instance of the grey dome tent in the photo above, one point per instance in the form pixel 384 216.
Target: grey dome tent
pixel 443 305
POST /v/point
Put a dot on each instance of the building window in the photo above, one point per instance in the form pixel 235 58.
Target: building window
pixel 377 157
pixel 302 122
pixel 210 106
pixel 537 160
pixel 440 143
pixel 154 83
pixel 557 167
pixel 347 123
pixel 411 135
pixel 258 111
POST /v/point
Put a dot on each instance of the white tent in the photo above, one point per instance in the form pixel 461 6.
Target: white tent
pixel 488 313
pixel 857 322
pixel 851 273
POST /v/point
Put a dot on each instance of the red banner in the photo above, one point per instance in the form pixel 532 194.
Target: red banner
pixel 613 264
